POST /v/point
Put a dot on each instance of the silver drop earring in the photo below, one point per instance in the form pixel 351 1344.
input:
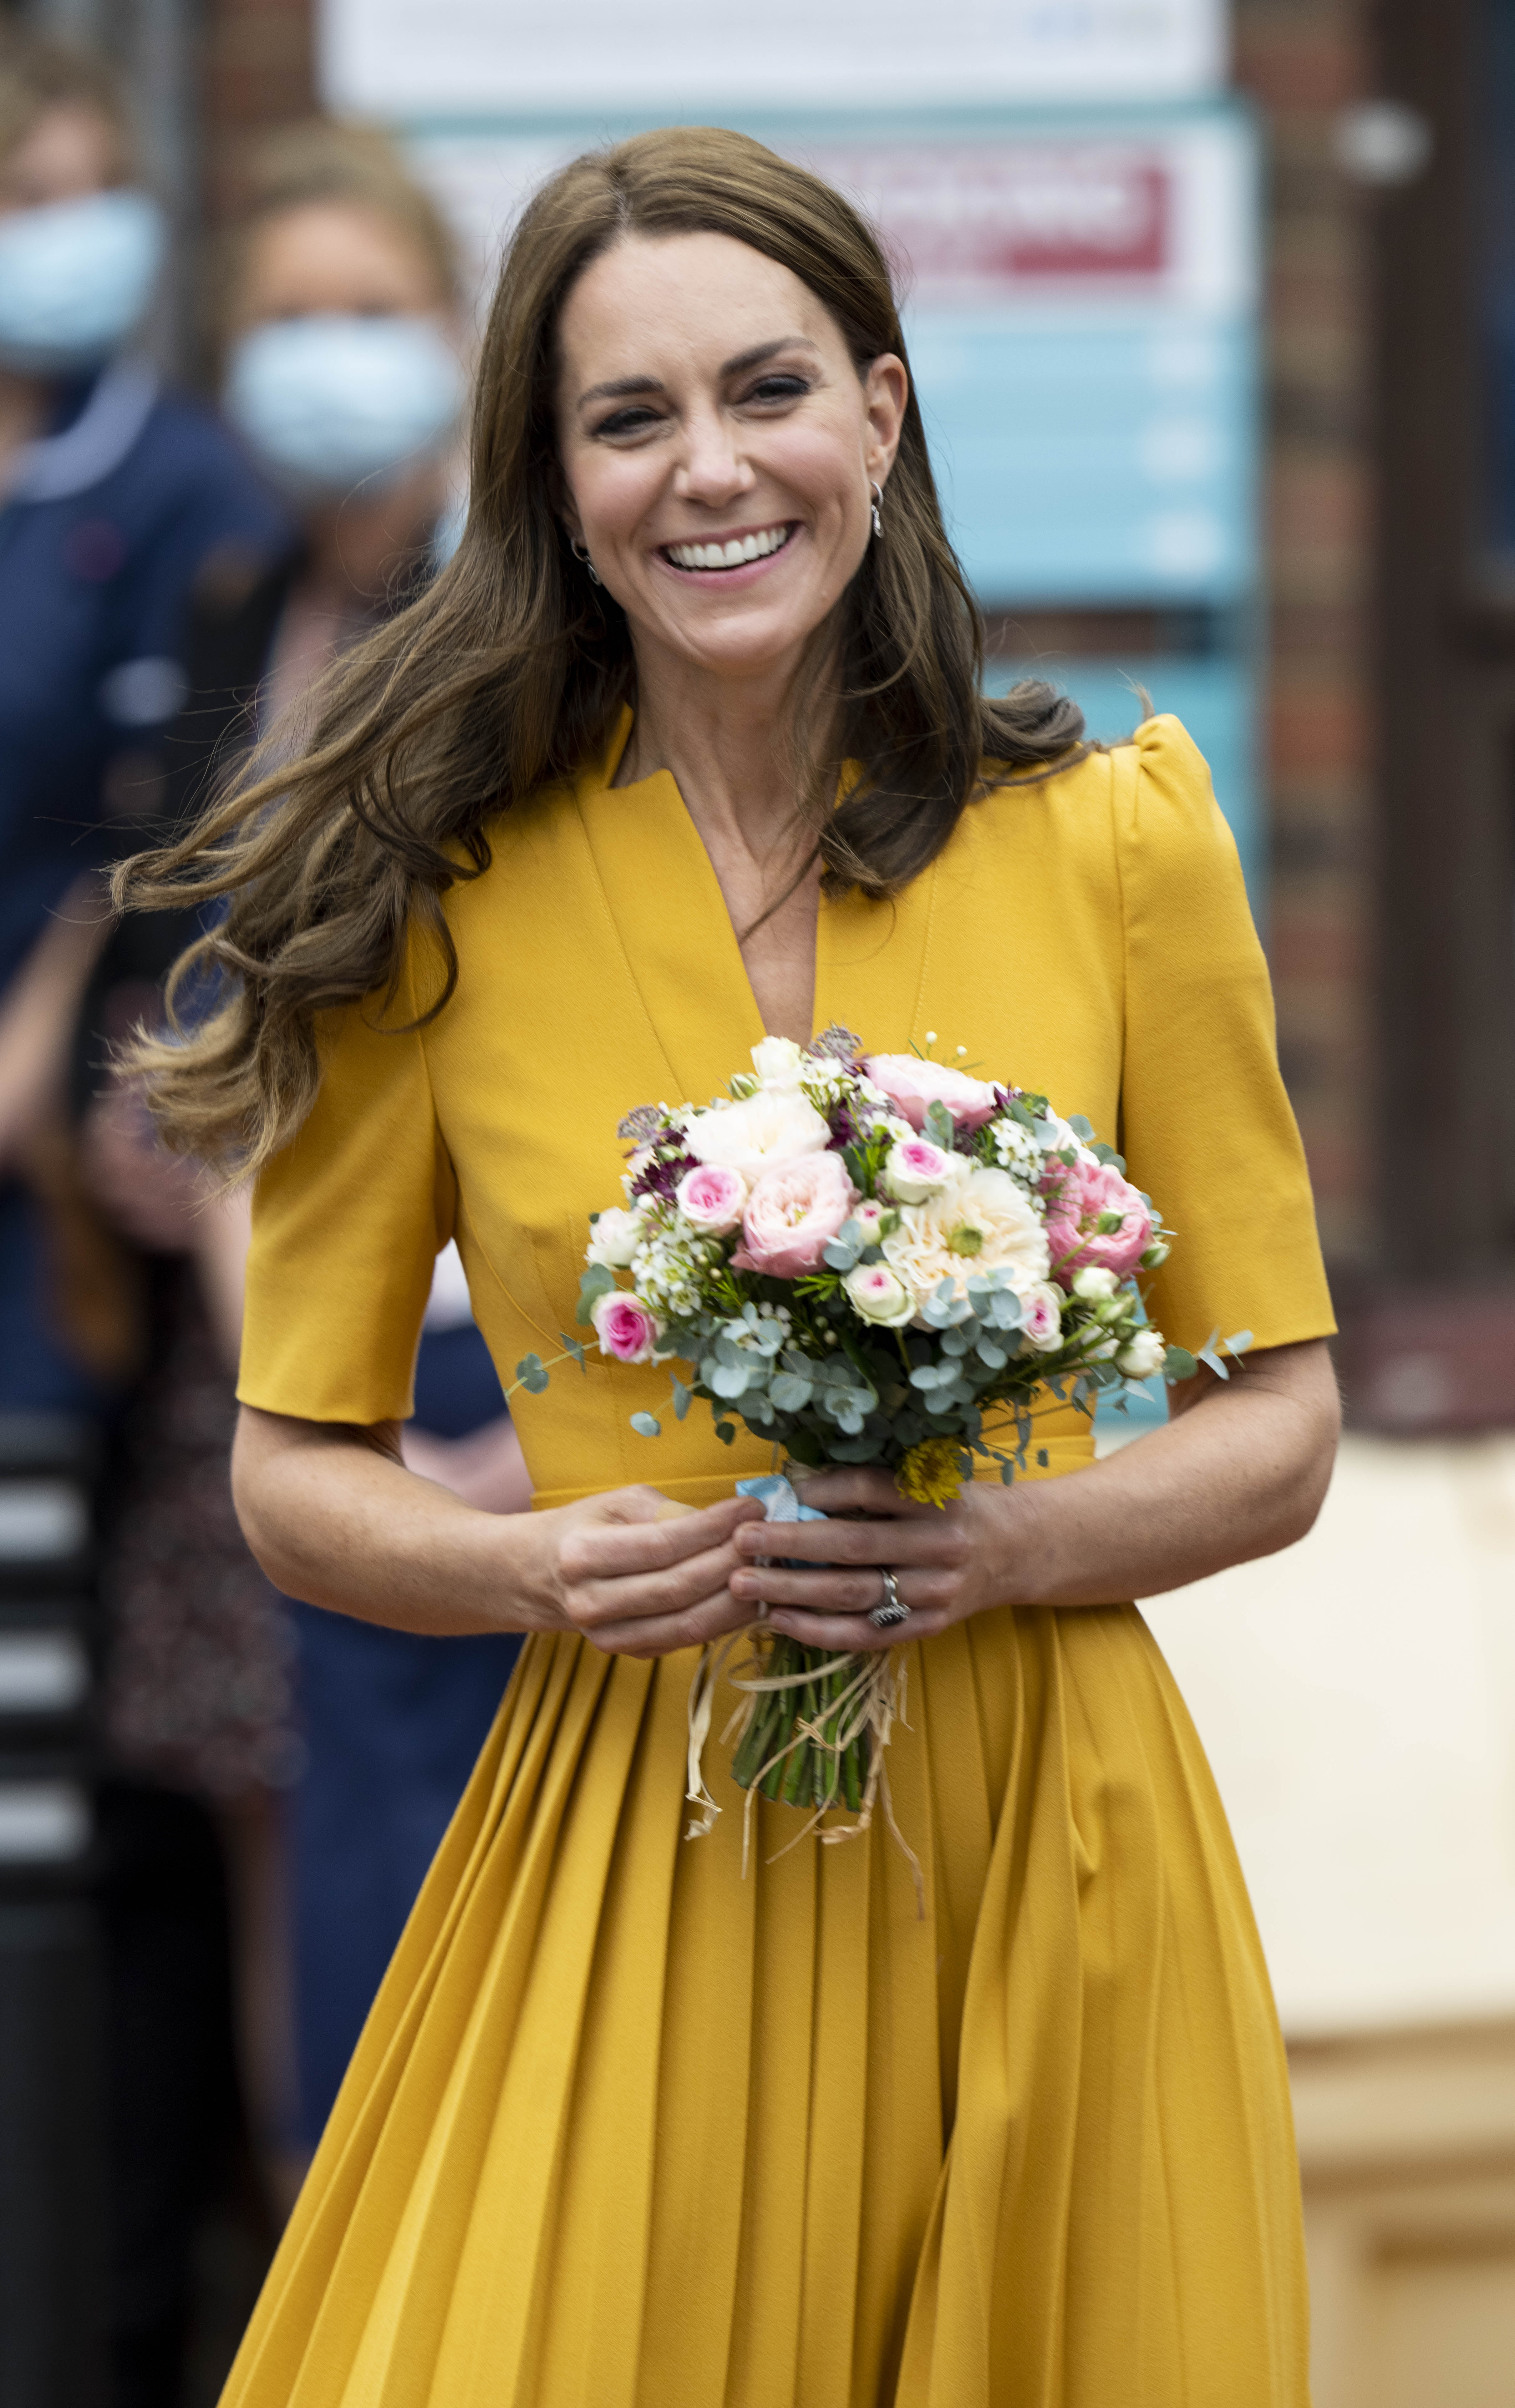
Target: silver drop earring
pixel 580 551
pixel 877 492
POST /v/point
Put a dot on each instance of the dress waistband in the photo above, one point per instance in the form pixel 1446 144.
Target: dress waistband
pixel 1065 1451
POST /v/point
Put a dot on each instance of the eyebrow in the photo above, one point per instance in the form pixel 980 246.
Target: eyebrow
pixel 622 388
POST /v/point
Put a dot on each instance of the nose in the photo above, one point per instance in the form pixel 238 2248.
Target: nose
pixel 711 471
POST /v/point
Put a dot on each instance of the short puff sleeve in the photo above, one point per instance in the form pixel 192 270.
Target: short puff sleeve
pixel 1206 1126
pixel 347 1224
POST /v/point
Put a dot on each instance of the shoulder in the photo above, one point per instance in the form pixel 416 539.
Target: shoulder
pixel 1142 812
pixel 185 459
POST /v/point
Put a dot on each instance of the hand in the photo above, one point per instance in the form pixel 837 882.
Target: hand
pixel 948 1561
pixel 152 1196
pixel 634 1573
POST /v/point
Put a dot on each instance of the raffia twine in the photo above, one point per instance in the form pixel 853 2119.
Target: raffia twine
pixel 872 1701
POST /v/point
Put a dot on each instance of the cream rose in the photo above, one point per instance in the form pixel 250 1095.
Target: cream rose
pixel 777 1062
pixel 777 1125
pixel 1142 1356
pixel 612 1239
pixel 981 1223
pixel 877 1296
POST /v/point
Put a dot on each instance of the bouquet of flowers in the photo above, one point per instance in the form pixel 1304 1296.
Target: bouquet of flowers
pixel 867 1258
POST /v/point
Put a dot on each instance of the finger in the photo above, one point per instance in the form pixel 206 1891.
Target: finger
pixel 595 1603
pixel 857 1487
pixel 829 1592
pixel 712 1618
pixel 847 1634
pixel 942 1540
pixel 636 1539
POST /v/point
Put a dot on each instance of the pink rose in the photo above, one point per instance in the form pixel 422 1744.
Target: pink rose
pixel 625 1327
pixel 792 1214
pixel 1094 1219
pixel 710 1198
pixel 911 1084
pixel 1041 1318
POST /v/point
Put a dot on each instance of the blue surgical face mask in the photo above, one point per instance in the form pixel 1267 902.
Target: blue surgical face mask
pixel 75 278
pixel 333 402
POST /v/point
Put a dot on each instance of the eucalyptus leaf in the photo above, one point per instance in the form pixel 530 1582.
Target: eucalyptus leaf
pixel 596 1282
pixel 938 1127
pixel 646 1426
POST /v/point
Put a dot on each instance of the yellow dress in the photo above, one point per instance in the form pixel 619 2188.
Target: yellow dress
pixel 627 2129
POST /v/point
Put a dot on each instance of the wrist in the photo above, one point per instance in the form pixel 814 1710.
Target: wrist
pixel 1022 1549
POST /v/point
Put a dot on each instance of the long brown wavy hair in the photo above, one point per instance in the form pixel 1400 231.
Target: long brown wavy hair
pixel 507 675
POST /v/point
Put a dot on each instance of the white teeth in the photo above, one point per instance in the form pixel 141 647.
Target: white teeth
pixel 728 555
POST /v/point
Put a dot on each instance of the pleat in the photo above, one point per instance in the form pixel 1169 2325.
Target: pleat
pixel 633 2124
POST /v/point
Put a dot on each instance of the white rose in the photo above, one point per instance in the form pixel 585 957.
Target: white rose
pixel 984 1222
pixel 614 1238
pixel 1095 1285
pixel 877 1296
pixel 772 1127
pixel 777 1061
pixel 1142 1355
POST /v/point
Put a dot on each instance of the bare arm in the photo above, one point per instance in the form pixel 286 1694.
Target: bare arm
pixel 1239 1472
pixel 333 1516
pixel 37 1014
pixel 485 1469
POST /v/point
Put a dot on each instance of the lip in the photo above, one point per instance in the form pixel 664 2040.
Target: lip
pixel 744 572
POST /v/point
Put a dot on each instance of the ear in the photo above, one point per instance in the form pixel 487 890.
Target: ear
pixel 886 391
pixel 562 501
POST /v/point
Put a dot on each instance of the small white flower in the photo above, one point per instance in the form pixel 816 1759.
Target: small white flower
pixel 1094 1284
pixel 1142 1355
pixel 614 1238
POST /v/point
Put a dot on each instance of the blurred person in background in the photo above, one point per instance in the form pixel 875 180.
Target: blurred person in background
pixel 341 327
pixel 118 499
pixel 115 499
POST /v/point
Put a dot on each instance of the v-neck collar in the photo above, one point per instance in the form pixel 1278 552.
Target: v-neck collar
pixel 680 946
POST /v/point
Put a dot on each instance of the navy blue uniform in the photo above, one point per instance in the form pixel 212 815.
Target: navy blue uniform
pixel 107 527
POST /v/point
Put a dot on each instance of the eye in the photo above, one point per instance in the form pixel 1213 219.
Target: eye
pixel 781 385
pixel 634 420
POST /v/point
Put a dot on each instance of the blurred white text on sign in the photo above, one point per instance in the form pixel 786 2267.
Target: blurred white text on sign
pixel 390 58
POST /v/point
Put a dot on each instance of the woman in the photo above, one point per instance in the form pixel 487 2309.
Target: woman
pixel 115 499
pixel 624 2126
pixel 338 310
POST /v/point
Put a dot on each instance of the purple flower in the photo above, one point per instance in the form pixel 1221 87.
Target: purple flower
pixel 661 1179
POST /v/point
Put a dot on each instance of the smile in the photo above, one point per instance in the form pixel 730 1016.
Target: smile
pixel 734 554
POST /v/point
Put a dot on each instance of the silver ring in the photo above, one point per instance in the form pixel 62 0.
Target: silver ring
pixel 894 1610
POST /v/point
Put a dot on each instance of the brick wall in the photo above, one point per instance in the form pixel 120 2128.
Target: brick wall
pixel 257 70
pixel 1303 61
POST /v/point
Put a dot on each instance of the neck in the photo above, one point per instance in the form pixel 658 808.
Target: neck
pixel 729 743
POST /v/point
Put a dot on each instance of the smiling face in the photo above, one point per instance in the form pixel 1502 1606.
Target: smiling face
pixel 717 445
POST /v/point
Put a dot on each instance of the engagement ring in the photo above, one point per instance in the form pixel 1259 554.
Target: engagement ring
pixel 894 1610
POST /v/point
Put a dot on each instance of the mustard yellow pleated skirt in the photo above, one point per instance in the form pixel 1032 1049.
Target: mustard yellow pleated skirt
pixel 628 2130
